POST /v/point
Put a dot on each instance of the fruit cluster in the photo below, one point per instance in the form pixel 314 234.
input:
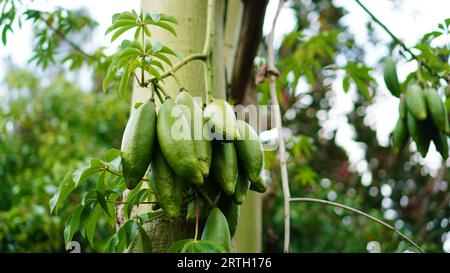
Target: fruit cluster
pixel 185 149
pixel 422 115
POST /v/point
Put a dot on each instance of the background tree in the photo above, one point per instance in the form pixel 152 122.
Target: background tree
pixel 402 190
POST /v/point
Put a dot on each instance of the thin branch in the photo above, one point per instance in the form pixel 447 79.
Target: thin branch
pixel 125 203
pixel 386 225
pixel 119 174
pixel 398 41
pixel 69 42
pixel 279 126
pixel 182 63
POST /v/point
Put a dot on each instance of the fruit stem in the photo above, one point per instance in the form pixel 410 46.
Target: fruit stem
pixel 197 216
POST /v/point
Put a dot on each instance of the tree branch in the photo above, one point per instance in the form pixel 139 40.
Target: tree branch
pixel 69 42
pixel 398 41
pixel 249 41
pixel 386 225
pixel 279 126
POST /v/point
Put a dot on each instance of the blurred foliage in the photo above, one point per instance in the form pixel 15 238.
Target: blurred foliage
pixel 397 188
pixel 47 125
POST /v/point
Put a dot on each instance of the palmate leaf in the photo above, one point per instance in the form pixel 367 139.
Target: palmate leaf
pixel 120 31
pixel 161 20
pixel 72 225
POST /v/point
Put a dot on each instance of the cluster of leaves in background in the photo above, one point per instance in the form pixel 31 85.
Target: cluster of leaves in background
pixel 46 127
pixel 415 202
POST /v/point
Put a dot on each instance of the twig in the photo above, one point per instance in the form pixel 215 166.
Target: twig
pixel 386 225
pixel 398 41
pixel 69 42
pixel 182 63
pixel 119 174
pixel 125 203
pixel 278 123
pixel 197 216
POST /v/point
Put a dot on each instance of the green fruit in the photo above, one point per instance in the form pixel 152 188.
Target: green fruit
pixel 176 145
pixel 137 143
pixel 219 116
pixel 166 186
pixel 437 111
pixel 249 151
pixel 216 229
pixel 390 77
pixel 231 211
pixel 402 107
pixel 242 187
pixel 258 186
pixel 419 133
pixel 415 102
pixel 440 141
pixel 203 147
pixel 400 136
pixel 225 167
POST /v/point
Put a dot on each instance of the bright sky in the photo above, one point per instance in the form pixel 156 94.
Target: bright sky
pixel 408 21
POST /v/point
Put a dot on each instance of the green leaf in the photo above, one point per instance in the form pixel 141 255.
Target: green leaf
pixel 83 173
pixel 127 16
pixel 179 245
pixel 157 64
pixel 100 189
pixel 144 244
pixel 168 18
pixel 167 27
pixel 202 246
pixel 147 31
pixel 124 79
pixel 72 225
pixel 112 154
pixel 122 23
pixel 362 88
pixel 346 84
pixel 91 225
pixel 66 187
pixel 131 195
pixel 120 31
pixel 163 58
pixel 88 207
pixel 137 32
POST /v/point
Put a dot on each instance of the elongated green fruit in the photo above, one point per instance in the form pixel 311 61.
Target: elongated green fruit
pixel 219 116
pixel 177 146
pixel 400 136
pixel 203 147
pixel 415 102
pixel 167 187
pixel 437 111
pixel 231 211
pixel 225 167
pixel 419 133
pixel 249 151
pixel 441 143
pixel 390 77
pixel 137 143
pixel 216 229
pixel 258 186
pixel 402 107
pixel 242 187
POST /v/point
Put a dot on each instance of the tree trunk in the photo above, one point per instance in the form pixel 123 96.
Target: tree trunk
pixel 190 39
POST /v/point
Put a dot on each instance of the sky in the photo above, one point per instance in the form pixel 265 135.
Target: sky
pixel 408 21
